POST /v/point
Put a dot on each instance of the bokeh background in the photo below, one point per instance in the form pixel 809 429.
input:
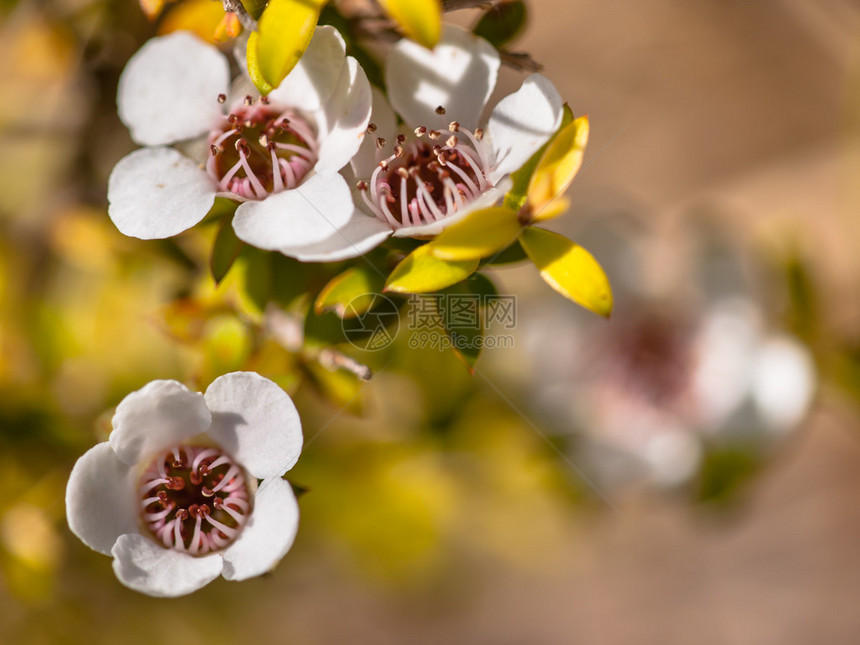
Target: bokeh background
pixel 444 507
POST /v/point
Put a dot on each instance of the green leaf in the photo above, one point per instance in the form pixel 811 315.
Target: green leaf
pixel 421 272
pixel 258 276
pixel 225 251
pixel 517 195
pixel 420 20
pixel 351 293
pixel 569 269
pixel 285 30
pixel 556 169
pixel 502 23
pixel 253 60
pixel 467 340
pixel 479 235
pixel 511 255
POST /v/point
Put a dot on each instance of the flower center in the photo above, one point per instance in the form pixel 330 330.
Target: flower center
pixel 194 499
pixel 424 181
pixel 650 355
pixel 260 150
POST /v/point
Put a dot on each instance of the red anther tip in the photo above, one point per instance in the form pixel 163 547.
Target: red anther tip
pixel 222 98
pixel 207 492
pixel 380 143
pixel 440 110
pixel 195 478
pixel 454 126
pixel 401 138
pixel 204 509
pixel 249 100
pixel 371 127
pixel 176 483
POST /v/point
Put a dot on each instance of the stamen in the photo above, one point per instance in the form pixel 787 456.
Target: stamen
pixel 182 515
pixel 440 110
pixel 222 98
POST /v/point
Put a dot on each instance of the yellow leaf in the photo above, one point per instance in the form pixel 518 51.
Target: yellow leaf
pixel 569 269
pixel 254 65
pixel 421 272
pixel 285 30
pixel 228 28
pixel 556 169
pixel 478 235
pixel 200 17
pixel 420 20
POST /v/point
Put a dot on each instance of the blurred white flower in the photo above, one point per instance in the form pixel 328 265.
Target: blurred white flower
pixel 173 494
pixel 416 180
pixel 681 365
pixel 279 155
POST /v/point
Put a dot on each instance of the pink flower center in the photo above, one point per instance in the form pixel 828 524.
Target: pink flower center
pixel 427 178
pixel 260 150
pixel 194 499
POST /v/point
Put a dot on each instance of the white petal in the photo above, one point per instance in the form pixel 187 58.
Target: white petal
pixel 169 89
pixel 156 193
pixel 302 216
pixel 358 236
pixel 255 421
pixel 144 566
pixel 783 383
pixel 383 118
pixel 100 499
pixel 268 535
pixel 459 75
pixel 487 199
pixel 315 76
pixel 522 122
pixel 344 119
pixel 156 417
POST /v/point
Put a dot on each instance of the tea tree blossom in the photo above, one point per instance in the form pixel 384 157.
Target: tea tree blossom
pixel 283 150
pixel 415 181
pixel 688 362
pixel 189 486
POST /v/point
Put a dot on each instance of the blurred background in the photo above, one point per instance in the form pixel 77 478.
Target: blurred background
pixel 508 506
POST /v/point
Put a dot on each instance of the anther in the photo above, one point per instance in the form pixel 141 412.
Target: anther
pixel 383 164
pixel 403 173
pixel 398 150
pixel 162 495
pixel 175 483
pixel 434 134
pixel 401 138
pixel 362 185
pixel 207 492
pixel 222 98
pixel 264 100
pixel 249 100
pixel 213 149
pixel 440 110
pixel 451 142
pixel 479 134
pixel 380 143
pixel 420 131
pixel 454 126
pixel 371 127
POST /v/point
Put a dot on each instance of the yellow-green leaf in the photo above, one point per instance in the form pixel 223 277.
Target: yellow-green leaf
pixel 556 169
pixel 421 272
pixel 478 235
pixel 351 293
pixel 420 20
pixel 285 29
pixel 569 269
pixel 254 65
pixel 516 197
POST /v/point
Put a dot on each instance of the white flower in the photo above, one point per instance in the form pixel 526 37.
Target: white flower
pixel 687 362
pixel 416 181
pixel 279 154
pixel 173 494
